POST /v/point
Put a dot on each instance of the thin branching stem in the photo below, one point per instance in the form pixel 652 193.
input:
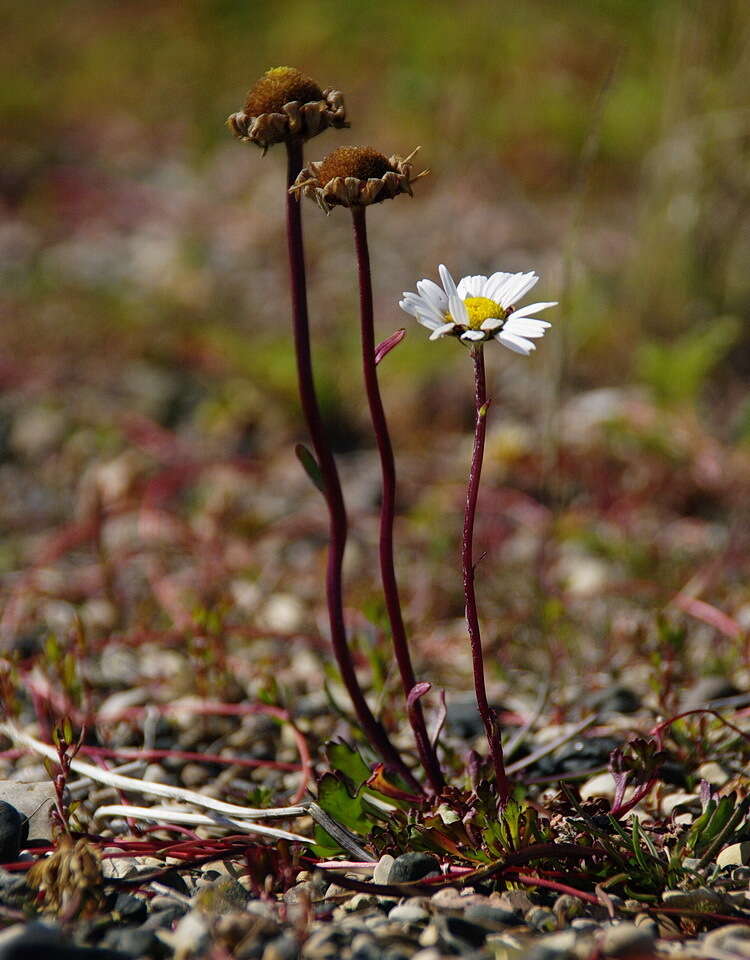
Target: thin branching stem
pixel 371 728
pixel 427 754
pixel 467 562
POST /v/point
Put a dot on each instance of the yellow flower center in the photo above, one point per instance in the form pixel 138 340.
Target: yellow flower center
pixel 480 309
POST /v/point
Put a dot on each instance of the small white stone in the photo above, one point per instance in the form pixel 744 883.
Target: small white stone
pixel 602 785
pixel 383 868
pixel 674 800
pixel 713 773
pixel 736 855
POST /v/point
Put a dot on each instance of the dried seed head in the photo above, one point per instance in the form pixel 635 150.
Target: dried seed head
pixel 364 163
pixel 70 879
pixel 287 105
pixel 356 176
pixel 279 86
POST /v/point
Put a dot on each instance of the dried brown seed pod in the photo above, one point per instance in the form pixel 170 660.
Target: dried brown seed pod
pixel 356 176
pixel 285 104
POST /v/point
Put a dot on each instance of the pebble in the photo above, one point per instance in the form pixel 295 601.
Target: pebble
pixel 541 919
pixel 566 908
pixel 627 940
pixel 14 829
pixel 409 912
pixel 383 868
pixel 36 940
pixel 460 933
pixel 736 855
pixel 190 937
pixel 585 753
pixel 673 801
pixel 707 689
pixel 131 940
pixel 129 908
pixel 732 940
pixel 410 867
pixel 614 700
pixel 602 785
pixel 491 918
pixel 701 899
pixel 281 948
pixel 33 800
pixel 713 773
pixel 555 946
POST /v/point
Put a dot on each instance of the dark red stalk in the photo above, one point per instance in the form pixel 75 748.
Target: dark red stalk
pixel 427 754
pixel 371 728
pixel 467 562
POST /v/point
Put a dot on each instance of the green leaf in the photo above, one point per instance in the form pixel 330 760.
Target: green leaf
pixel 310 466
pixel 324 847
pixel 348 810
pixel 347 761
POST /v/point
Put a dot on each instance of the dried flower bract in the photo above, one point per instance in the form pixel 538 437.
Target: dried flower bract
pixel 356 176
pixel 286 104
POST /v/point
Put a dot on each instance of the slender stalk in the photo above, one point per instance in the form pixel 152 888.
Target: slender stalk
pixel 467 562
pixel 427 754
pixel 371 728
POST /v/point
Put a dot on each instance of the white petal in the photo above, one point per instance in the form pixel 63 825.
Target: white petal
pixel 516 344
pixel 517 287
pixel 409 306
pixel 491 323
pixel 420 305
pixel 416 308
pixel 433 293
pixel 526 326
pixel 456 306
pixel 439 332
pixel 473 335
pixel 471 286
pixel 494 285
pixel 532 308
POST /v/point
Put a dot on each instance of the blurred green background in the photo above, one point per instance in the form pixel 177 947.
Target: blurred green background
pixel 603 142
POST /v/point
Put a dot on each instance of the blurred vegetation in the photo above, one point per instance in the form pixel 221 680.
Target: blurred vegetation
pixel 616 133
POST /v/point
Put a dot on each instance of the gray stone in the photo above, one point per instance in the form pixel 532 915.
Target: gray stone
pixel 14 828
pixel 410 867
pixel 701 899
pixel 35 801
pixel 627 940
pixel 222 896
pixel 459 933
pixel 615 700
pixel 37 940
pixel 491 918
pixel 129 908
pixel 708 689
pixel 409 912
pixel 566 908
pixel 555 946
pixel 541 919
pixel 190 936
pixel 732 940
pixel 281 948
pixel 131 940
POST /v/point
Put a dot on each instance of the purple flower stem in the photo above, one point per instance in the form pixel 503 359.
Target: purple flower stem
pixel 427 754
pixel 371 728
pixel 467 562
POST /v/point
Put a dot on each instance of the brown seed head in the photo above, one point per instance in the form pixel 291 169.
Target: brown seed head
pixel 279 86
pixel 364 163
pixel 355 176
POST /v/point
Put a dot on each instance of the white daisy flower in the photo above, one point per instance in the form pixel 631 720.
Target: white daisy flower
pixel 479 308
